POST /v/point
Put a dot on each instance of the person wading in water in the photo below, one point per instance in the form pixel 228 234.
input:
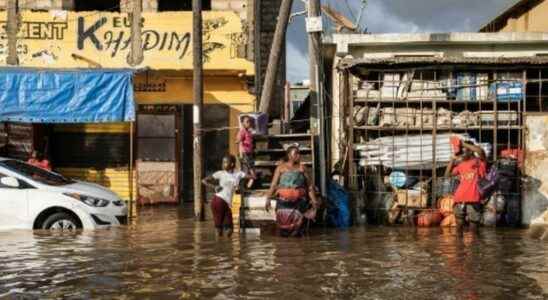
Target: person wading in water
pixel 467 197
pixel 225 183
pixel 295 193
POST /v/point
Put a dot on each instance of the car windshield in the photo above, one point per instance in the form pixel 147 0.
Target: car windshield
pixel 35 173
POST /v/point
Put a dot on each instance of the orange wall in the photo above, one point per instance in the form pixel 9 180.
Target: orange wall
pixel 229 90
pixel 535 20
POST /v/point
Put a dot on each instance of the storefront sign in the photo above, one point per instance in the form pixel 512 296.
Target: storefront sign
pixel 91 39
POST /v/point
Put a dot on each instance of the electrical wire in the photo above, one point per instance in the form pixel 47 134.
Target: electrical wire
pixel 350 10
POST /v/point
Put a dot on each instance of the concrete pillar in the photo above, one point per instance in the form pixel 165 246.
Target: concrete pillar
pixel 148 6
pixel 337 111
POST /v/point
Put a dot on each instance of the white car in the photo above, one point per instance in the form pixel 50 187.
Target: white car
pixel 33 198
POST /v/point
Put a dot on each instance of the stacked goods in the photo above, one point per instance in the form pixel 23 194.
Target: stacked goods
pixel 505 118
pixel 466 119
pixel 366 115
pixel 472 86
pixel 444 118
pixel 367 90
pixel 426 89
pixel 412 152
pixel 508 88
pixel 391 85
pixel 466 86
pixel 397 117
pixel 417 118
pixel 425 118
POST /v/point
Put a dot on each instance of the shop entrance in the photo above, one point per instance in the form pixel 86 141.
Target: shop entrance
pixel 157 148
pixel 216 143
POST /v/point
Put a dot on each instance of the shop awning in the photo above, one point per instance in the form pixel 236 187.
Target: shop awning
pixel 66 96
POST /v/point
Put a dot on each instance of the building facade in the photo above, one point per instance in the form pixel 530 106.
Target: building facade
pixel 398 97
pixel 523 16
pixel 96 34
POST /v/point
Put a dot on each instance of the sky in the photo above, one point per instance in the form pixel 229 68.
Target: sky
pixel 391 16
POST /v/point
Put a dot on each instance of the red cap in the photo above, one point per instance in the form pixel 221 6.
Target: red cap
pixel 455 144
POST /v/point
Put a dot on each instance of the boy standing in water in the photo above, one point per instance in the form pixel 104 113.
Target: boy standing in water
pixel 224 182
pixel 247 148
pixel 470 169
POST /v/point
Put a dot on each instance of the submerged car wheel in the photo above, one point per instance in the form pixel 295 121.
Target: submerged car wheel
pixel 61 221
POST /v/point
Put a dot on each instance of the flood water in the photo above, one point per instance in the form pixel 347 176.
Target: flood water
pixel 166 255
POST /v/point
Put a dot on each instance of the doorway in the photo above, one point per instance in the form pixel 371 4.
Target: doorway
pixel 157 148
pixel 216 143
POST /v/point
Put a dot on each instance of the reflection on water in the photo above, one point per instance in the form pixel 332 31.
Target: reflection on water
pixel 165 255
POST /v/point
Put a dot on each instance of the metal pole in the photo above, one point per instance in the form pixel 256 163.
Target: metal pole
pixel 274 57
pixel 11 29
pixel 316 95
pixel 287 107
pixel 198 95
pixel 136 55
pixel 130 177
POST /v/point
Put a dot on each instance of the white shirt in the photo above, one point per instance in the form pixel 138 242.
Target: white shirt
pixel 228 182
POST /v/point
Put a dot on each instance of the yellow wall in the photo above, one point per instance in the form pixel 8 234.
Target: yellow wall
pixel 53 39
pixel 535 20
pixel 115 179
pixel 229 90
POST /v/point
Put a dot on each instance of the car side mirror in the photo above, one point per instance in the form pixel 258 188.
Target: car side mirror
pixel 9 182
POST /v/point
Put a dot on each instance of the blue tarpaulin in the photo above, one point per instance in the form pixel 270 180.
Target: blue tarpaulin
pixel 72 96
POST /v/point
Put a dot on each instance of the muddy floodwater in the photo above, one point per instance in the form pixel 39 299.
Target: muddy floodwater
pixel 166 255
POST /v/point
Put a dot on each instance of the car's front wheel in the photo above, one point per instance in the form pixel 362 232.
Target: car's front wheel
pixel 61 221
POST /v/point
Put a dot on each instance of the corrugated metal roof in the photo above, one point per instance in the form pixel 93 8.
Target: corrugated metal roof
pixel 348 63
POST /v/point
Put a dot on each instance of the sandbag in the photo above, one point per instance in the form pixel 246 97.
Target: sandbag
pixel 445 206
pixel 429 218
pixel 449 221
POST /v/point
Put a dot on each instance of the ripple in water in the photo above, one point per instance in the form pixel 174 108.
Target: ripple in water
pixel 165 254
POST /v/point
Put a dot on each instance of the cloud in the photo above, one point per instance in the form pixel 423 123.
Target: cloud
pixel 405 16
pixel 296 63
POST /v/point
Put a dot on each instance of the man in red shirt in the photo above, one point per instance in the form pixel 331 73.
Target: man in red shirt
pixel 470 167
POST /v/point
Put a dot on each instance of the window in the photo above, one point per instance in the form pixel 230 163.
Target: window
pixel 181 5
pixel 22 184
pixel 35 173
pixel 1 185
pixel 103 5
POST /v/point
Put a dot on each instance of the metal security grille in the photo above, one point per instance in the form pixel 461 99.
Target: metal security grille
pixel 399 120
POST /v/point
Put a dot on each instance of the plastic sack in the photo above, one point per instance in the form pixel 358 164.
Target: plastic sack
pixel 449 221
pixel 338 212
pixel 445 206
pixel 429 218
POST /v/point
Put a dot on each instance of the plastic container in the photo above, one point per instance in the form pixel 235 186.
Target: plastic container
pixel 260 120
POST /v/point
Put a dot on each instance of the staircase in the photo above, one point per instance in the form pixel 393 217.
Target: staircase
pixel 269 151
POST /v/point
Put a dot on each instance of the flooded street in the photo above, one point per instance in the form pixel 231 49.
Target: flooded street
pixel 165 255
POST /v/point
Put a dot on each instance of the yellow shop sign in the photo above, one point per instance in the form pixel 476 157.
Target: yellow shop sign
pixel 62 39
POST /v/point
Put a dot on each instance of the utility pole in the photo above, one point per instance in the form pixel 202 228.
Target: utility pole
pixel 274 57
pixel 198 94
pixel 136 54
pixel 12 27
pixel 314 28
